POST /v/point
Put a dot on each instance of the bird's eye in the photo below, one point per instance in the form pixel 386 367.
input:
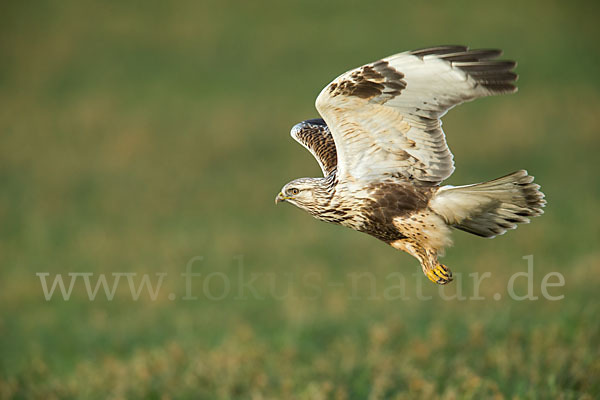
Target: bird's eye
pixel 293 191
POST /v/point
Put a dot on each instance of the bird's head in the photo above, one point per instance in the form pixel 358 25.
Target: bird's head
pixel 304 193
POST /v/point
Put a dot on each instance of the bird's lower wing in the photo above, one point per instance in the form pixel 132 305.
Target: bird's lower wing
pixel 315 136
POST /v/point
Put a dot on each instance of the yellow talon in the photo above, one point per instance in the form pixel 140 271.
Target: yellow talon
pixel 431 276
pixel 440 274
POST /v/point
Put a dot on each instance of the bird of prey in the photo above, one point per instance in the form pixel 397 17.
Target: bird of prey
pixel 383 154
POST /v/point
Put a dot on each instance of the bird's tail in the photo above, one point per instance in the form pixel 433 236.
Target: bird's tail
pixel 490 208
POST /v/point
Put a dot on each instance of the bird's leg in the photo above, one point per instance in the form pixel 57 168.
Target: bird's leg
pixel 432 269
pixel 435 271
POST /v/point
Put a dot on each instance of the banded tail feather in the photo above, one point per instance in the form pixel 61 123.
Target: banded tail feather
pixel 491 208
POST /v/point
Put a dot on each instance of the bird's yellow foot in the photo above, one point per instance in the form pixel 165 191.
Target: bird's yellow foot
pixel 440 274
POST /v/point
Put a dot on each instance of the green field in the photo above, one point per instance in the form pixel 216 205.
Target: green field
pixel 136 137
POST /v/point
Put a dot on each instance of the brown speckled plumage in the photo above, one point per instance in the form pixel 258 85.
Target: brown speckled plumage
pixel 390 201
pixel 383 154
pixel 377 80
pixel 314 134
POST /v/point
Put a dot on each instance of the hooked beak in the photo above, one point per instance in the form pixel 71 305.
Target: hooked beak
pixel 280 197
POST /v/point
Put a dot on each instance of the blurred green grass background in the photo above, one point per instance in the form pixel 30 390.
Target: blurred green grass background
pixel 135 136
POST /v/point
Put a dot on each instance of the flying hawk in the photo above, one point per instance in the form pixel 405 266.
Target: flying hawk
pixel 383 154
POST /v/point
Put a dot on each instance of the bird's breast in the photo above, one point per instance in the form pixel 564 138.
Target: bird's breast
pixel 373 208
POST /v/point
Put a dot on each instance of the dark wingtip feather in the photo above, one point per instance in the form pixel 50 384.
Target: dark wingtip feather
pixel 444 49
pixel 486 65
pixel 498 88
pixel 495 75
pixel 315 121
pixel 472 55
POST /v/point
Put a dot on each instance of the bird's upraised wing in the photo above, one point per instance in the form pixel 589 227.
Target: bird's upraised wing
pixel 385 116
pixel 314 134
